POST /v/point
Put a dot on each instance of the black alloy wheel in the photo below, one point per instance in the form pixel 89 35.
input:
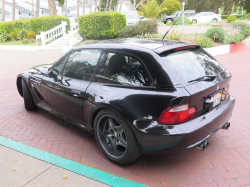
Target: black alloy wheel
pixel 115 138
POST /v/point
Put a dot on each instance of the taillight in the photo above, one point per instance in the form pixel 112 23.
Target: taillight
pixel 177 114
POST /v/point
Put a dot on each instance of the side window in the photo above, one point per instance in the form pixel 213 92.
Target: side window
pixel 82 64
pixel 118 68
pixel 59 67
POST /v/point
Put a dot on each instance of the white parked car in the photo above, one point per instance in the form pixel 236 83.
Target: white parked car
pixel 236 14
pixel 205 17
pixel 133 17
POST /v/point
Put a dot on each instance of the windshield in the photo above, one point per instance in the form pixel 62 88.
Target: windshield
pixel 192 64
pixel 131 15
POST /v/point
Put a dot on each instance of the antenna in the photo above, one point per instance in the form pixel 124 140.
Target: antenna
pixel 171 27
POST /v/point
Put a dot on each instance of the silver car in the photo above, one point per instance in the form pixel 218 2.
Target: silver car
pixel 133 17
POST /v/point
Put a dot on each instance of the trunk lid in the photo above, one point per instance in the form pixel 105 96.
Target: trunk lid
pixel 190 64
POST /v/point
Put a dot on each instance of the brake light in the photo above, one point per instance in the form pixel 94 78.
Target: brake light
pixel 181 48
pixel 177 114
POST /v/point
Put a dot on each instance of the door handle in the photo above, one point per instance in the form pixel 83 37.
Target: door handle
pixel 76 93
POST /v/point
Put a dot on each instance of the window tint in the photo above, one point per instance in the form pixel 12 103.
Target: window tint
pixel 203 14
pixel 61 65
pixel 192 64
pixel 210 14
pixel 118 68
pixel 82 64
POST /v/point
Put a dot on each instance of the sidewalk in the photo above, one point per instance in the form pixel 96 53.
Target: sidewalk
pixel 31 172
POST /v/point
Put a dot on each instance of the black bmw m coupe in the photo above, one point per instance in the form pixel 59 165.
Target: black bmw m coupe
pixel 136 96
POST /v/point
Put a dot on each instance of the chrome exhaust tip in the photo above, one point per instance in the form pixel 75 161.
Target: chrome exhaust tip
pixel 203 146
pixel 226 126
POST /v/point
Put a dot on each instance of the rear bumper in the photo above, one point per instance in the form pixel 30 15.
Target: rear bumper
pixel 155 138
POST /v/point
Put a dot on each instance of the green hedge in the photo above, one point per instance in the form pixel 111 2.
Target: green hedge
pixel 101 25
pixel 35 24
pixel 226 16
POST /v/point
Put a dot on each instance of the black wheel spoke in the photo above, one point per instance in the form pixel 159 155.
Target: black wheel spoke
pixel 112 136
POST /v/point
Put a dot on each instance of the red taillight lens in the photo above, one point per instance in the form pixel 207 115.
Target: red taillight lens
pixel 177 114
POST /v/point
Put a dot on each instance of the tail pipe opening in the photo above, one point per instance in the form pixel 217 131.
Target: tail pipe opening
pixel 226 126
pixel 203 146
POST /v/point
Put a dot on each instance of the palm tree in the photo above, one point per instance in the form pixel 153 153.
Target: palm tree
pixel 52 7
pixel 32 9
pixel 3 10
pixel 13 10
pixel 91 5
pixel 83 9
pixel 95 5
pixel 151 9
pixel 107 5
pixel 110 5
pixel 100 5
pixel 37 8
pixel 120 6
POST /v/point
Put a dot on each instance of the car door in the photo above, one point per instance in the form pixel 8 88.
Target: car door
pixel 211 16
pixel 202 18
pixel 67 93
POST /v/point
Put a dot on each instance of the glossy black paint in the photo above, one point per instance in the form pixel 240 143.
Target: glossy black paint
pixel 79 101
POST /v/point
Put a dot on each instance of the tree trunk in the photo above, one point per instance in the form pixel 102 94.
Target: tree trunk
pixel 100 5
pixel 110 5
pixel 3 10
pixel 235 5
pixel 83 9
pixel 77 9
pixel 134 5
pixel 37 8
pixel 120 6
pixel 52 7
pixel 32 8
pixel 13 10
pixel 95 5
pixel 91 5
pixel 66 8
pixel 107 3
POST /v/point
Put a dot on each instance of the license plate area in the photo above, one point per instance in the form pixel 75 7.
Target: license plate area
pixel 216 99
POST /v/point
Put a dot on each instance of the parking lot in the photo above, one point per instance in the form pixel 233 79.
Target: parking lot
pixel 225 163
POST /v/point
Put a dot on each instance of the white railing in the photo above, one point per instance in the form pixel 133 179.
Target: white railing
pixel 73 37
pixel 52 34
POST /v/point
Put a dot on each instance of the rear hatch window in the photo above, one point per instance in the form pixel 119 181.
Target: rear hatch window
pixel 188 66
pixel 194 63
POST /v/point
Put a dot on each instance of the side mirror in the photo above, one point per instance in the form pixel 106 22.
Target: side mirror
pixel 141 17
pixel 53 73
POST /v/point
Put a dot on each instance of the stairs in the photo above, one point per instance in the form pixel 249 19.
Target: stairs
pixel 58 44
pixel 63 43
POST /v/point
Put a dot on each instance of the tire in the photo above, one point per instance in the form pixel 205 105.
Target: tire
pixel 169 20
pixel 194 20
pixel 27 97
pixel 215 20
pixel 115 138
pixel 164 22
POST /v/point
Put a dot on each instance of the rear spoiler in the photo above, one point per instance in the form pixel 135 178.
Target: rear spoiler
pixel 175 47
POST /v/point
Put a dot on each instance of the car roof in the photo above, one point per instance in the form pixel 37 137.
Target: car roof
pixel 154 45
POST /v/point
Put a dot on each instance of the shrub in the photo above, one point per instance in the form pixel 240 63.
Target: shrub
pixel 142 29
pixel 243 27
pixel 4 37
pixel 26 41
pixel 236 38
pixel 174 35
pixel 14 35
pixel 37 24
pixel 31 35
pixel 224 16
pixel 179 21
pixel 23 33
pixel 216 33
pixel 99 25
pixel 231 18
pixel 205 42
